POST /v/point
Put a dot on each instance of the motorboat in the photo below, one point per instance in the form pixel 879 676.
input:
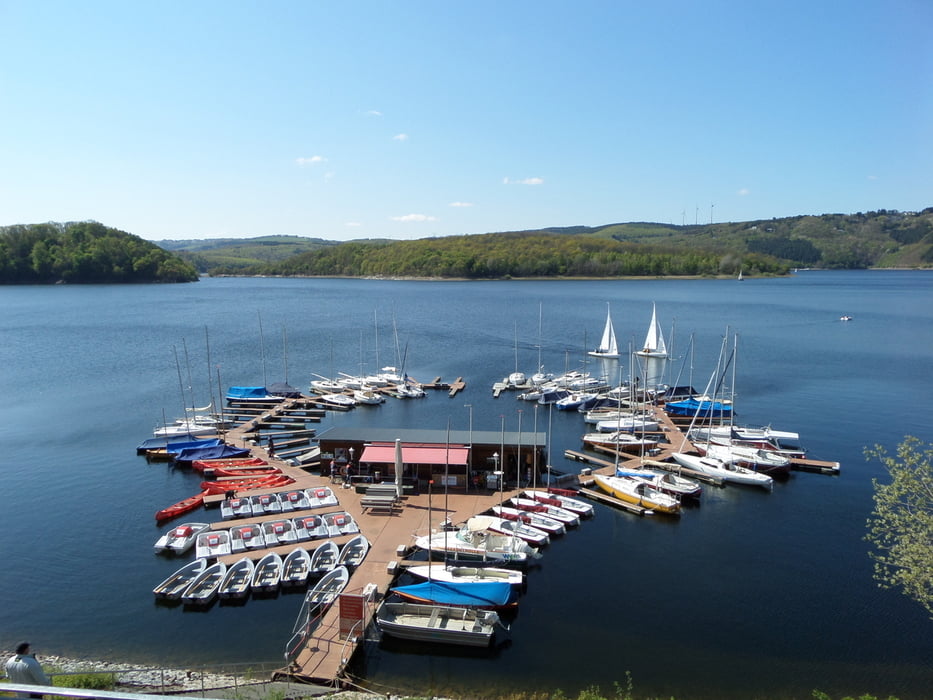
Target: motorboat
pixel 267 574
pixel 172 587
pixel 279 532
pixel 438 624
pixel 452 573
pixel 321 496
pixel 180 539
pixel 474 540
pixel 638 491
pixel 213 543
pixel 236 581
pixel 353 552
pixel 246 537
pixel 486 595
pixel 324 558
pixel 309 527
pixel 203 589
pixel 565 499
pixel 336 400
pixel 366 396
pixel 296 567
pixel 537 520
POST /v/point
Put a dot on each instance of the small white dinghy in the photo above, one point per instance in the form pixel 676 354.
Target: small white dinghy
pixel 203 588
pixel 324 558
pixel 267 574
pixel 328 588
pixel 172 587
pixel 353 552
pixel 236 581
pixel 295 568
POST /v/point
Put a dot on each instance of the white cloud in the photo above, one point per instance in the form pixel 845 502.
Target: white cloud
pixel 407 218
pixel 742 192
pixel 373 113
pixel 461 204
pixel 400 137
pixel 310 161
pixel 523 181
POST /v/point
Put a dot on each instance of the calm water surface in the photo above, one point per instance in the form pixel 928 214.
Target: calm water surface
pixel 749 590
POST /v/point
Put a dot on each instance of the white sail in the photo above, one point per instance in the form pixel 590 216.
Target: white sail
pixel 654 341
pixel 608 347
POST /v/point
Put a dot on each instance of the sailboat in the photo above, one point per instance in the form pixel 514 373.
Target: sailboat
pixel 608 347
pixel 654 341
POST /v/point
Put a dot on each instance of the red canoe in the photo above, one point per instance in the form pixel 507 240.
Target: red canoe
pixel 260 482
pixel 180 508
pixel 244 462
pixel 245 473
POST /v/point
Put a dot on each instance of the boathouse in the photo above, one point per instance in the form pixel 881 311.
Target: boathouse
pixel 464 459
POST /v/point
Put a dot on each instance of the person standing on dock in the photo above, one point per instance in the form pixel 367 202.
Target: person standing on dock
pixel 271 450
pixel 23 668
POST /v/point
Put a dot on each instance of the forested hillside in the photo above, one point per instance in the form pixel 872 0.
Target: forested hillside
pixel 84 252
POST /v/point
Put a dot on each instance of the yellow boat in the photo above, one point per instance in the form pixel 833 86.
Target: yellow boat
pixel 640 492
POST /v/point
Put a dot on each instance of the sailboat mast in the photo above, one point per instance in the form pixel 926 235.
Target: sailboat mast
pixel 262 349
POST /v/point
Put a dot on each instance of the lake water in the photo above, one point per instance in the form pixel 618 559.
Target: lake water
pixel 750 591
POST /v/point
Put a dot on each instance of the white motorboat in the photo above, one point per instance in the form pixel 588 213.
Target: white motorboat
pixel 309 527
pixel 549 509
pixel 181 538
pixel 438 623
pixel 783 442
pixel 267 574
pixel 467 574
pixel 321 496
pixel 279 532
pixel 324 558
pixel 564 499
pixel 203 588
pixel 353 552
pixel 340 523
pixel 475 541
pixel 608 347
pixel 337 400
pixel 723 470
pixel 172 587
pixel 265 504
pixel 212 543
pixel 628 424
pixel 540 521
pixel 518 528
pixel 296 567
pixel 366 396
pixel 246 537
pixel 236 581
pixel 575 400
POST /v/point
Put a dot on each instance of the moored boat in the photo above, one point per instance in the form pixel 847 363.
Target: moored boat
pixel 236 581
pixel 474 541
pixel 487 595
pixel 267 574
pixel 438 624
pixel 550 508
pixel 324 558
pixel 245 537
pixel 453 573
pixel 203 589
pixel 212 543
pixel 353 552
pixel 638 491
pixel 279 532
pixel 326 590
pixel 296 567
pixel 173 586
pixel 180 539
pixel 565 498
pixel 178 509
pixel 309 527
pixel 723 470
pixel 536 519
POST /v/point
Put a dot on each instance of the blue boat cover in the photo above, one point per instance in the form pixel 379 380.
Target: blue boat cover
pixel 177 447
pixel 475 594
pixel 692 407
pixel 159 443
pixel 215 452
pixel 640 475
pixel 247 392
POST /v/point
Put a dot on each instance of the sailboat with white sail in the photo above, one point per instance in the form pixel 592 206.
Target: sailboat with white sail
pixel 608 347
pixel 654 342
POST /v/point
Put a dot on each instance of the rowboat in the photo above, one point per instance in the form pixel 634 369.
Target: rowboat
pixel 324 558
pixel 235 583
pixel 438 624
pixel 172 587
pixel 518 528
pixel 325 591
pixel 550 508
pixel 184 506
pixel 203 588
pixel 535 519
pixel 353 552
pixel 180 539
pixel 296 568
pixel 565 499
pixel 267 574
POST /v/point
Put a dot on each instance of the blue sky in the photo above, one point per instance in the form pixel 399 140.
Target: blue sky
pixel 345 120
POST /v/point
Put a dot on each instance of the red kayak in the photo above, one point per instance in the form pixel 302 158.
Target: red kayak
pixel 259 471
pixel 241 462
pixel 260 482
pixel 180 508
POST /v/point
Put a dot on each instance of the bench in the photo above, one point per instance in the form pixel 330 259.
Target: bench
pixel 379 502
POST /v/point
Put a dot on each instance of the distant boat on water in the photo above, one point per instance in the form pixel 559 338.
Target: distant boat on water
pixel 654 341
pixel 608 347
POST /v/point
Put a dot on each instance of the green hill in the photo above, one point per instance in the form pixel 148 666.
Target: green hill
pixel 84 252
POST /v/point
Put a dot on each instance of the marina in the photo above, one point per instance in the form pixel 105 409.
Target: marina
pixel 806 535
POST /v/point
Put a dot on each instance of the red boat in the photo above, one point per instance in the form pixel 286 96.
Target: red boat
pixel 240 462
pixel 259 482
pixel 182 507
pixel 245 473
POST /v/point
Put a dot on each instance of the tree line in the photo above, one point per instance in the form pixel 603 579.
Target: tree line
pixel 84 252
